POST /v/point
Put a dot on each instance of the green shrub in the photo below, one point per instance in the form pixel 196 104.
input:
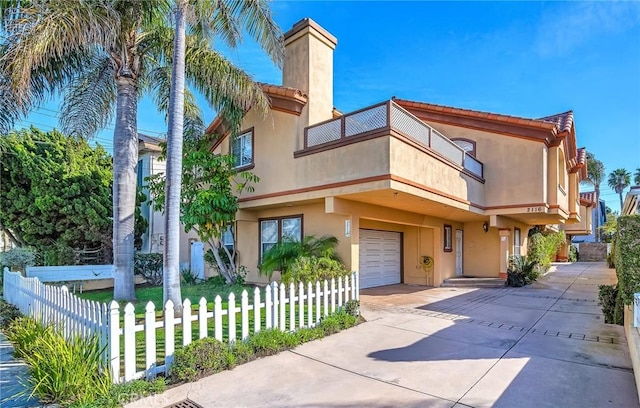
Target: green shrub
pixel 543 248
pixel 272 341
pixel 188 277
pixel 307 334
pixel 66 372
pixel 611 307
pixel 8 313
pixel 311 269
pixel 120 394
pixel 573 253
pixel 17 258
pixel 199 359
pixel 521 271
pixel 282 255
pixel 336 322
pixel 627 257
pixel 239 352
pixel 352 307
pixel 149 266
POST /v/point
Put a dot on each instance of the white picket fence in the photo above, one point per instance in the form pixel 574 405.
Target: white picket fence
pixel 283 307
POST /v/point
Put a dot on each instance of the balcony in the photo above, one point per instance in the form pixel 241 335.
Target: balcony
pixel 384 119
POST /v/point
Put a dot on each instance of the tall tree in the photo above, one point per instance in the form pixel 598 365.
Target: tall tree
pixel 226 19
pixel 636 177
pixel 619 179
pixel 595 174
pixel 101 57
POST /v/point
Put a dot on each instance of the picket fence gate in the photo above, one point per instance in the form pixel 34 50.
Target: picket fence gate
pixel 284 307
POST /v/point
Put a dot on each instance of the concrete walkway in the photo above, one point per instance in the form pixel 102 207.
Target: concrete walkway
pixel 13 373
pixel 541 346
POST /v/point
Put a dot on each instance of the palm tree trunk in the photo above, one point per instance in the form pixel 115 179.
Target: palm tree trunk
pixel 125 161
pixel 621 201
pixel 174 166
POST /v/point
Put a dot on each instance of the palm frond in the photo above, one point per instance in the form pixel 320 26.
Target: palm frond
pixel 90 99
pixel 211 19
pixel 255 17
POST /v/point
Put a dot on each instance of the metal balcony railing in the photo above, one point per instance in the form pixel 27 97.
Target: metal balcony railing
pixel 389 115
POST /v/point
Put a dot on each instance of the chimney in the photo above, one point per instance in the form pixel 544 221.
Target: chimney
pixel 308 66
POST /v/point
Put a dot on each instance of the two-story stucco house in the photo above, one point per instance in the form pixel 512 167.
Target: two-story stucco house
pixel 399 180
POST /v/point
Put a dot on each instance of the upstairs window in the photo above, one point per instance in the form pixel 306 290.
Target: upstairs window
pixel 227 238
pixel 242 149
pixel 469 146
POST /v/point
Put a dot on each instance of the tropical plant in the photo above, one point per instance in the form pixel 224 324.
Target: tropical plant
pixel 609 228
pixel 311 268
pixel 618 180
pixel 102 56
pixel 282 255
pixel 543 247
pixel 636 177
pixel 210 190
pixel 595 175
pixel 521 271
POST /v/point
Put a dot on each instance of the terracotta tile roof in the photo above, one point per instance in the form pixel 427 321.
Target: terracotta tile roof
pixel 588 198
pixel 474 113
pixel 563 121
pixel 285 91
pixel 582 156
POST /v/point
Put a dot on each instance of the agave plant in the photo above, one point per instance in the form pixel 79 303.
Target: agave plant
pixel 282 255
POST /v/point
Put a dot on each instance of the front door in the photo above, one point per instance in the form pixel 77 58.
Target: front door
pixel 458 252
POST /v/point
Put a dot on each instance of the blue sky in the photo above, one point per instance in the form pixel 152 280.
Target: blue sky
pixel 529 59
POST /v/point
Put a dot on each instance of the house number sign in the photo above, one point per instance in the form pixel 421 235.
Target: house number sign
pixel 535 209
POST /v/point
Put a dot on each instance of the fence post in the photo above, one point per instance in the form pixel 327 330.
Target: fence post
pixel 283 308
pixel 129 342
pixel 169 335
pixel 292 307
pixel 231 312
pixel 340 291
pixel 268 308
pixel 356 285
pixel 186 322
pixel 309 305
pixel 275 291
pixel 150 339
pixel 317 296
pixel 256 310
pixel 325 298
pixel 114 340
pixel 202 318
pixel 300 304
pixel 333 295
pixel 244 311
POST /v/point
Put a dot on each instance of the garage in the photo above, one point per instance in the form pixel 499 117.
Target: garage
pixel 380 258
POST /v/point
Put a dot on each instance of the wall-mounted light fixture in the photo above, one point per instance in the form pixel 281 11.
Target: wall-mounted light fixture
pixel 485 226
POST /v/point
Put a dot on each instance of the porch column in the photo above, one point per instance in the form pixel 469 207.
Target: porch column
pixel 504 233
pixel 355 243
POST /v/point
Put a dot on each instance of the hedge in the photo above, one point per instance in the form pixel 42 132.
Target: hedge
pixel 627 257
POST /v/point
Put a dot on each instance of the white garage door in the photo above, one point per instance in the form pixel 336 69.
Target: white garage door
pixel 379 258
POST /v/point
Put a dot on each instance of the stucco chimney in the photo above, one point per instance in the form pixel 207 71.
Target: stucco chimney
pixel 308 66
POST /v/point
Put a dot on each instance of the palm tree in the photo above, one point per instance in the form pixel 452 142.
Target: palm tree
pixel 595 174
pixel 282 255
pixel 225 19
pixel 619 179
pixel 101 57
pixel 636 177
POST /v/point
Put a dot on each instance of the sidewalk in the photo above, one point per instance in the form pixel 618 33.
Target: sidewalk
pixel 12 372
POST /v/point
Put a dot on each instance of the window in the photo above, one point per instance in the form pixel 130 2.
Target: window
pixel 448 239
pixel 242 149
pixel 274 230
pixel 227 238
pixel 516 241
pixel 140 177
pixel 469 146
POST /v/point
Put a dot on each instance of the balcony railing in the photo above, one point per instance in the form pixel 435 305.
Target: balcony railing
pixel 389 115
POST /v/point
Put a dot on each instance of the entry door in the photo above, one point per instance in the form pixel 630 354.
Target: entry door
pixel 380 257
pixel 459 252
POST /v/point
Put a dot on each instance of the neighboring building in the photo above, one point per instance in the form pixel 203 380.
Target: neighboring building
pixel 631 203
pixel 597 218
pixel 148 163
pixel 399 180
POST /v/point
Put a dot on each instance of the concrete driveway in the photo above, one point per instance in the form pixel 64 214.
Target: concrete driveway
pixel 541 346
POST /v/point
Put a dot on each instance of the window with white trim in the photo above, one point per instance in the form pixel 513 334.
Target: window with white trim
pixel 227 238
pixel 516 242
pixel 242 149
pixel 274 230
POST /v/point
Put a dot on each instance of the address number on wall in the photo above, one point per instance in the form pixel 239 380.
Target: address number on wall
pixel 535 209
